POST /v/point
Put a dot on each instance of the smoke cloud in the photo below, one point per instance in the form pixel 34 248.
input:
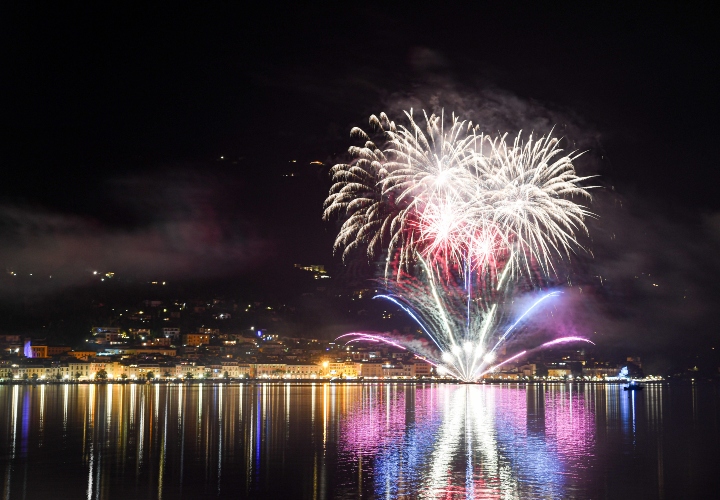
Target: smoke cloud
pixel 157 228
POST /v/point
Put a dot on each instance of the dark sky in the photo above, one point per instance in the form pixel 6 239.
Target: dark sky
pixel 114 119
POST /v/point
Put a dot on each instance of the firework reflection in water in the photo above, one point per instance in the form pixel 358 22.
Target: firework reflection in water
pixel 470 441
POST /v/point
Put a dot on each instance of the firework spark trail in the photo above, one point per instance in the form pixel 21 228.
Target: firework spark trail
pixel 565 340
pixel 411 314
pixel 373 338
pixel 522 316
pixel 464 349
pixel 561 340
pixel 461 216
pixel 513 358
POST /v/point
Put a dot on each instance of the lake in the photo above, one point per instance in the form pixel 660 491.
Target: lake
pixel 317 441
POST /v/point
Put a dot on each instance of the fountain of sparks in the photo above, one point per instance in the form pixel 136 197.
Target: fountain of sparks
pixel 462 217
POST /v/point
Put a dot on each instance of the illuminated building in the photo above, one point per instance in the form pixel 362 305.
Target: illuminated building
pixel 56 350
pixel 272 348
pixel 138 332
pixel 184 370
pixel 318 270
pixel 559 372
pixel 159 342
pixel 83 355
pixel 173 333
pixel 389 370
pixel 422 369
pixel 303 370
pixel 106 334
pixel 270 370
pixel 313 268
pixel 341 369
pixel 235 369
pixel 196 339
pixel 38 351
pixel 529 370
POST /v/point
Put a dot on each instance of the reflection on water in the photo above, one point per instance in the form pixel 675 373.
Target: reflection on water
pixel 358 441
pixel 472 441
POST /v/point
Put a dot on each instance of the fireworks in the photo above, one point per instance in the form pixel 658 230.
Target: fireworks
pixel 457 196
pixel 460 216
pixel 466 331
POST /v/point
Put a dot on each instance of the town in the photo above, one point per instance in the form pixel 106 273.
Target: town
pixel 113 354
pixel 219 338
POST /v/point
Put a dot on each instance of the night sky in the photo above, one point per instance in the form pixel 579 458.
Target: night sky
pixel 176 141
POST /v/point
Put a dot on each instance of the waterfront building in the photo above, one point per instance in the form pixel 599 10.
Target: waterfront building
pixel 303 370
pixel 601 372
pixel 559 372
pixel 422 369
pixel 341 369
pixel 270 370
pixel 529 370
pixel 398 370
pixel 387 370
pixel 235 369
pixel 183 370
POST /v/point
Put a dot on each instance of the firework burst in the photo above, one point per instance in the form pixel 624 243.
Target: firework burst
pixel 455 195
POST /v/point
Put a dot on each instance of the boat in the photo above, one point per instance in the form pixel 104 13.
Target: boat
pixel 632 386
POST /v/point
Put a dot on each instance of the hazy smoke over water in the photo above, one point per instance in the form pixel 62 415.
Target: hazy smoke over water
pixel 168 230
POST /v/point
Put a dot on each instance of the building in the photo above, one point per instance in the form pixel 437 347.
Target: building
pixel 235 369
pixel 529 370
pixel 139 332
pixel 390 370
pixel 369 370
pixel 559 372
pixel 196 339
pixel 142 351
pixel 26 371
pixel 313 268
pixel 57 350
pixel 601 372
pixel 159 342
pixel 303 370
pixel 398 370
pixel 39 351
pixel 272 348
pixel 270 370
pixel 109 367
pixel 423 369
pixel 103 330
pixel 340 369
pixel 171 333
pixel 189 370
pixel 84 355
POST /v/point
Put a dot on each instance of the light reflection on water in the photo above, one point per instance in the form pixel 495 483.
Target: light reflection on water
pixel 472 441
pixel 358 441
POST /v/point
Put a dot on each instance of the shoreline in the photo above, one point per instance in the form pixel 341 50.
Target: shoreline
pixel 346 382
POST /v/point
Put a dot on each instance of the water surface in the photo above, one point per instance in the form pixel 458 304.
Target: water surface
pixel 359 441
